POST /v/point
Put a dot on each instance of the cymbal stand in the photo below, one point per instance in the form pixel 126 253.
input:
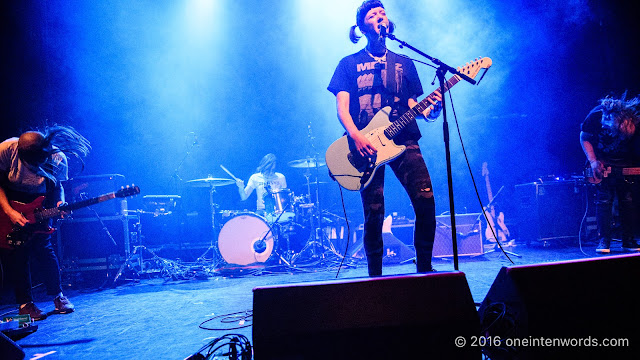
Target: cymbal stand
pixel 212 246
pixel 137 255
pixel 316 236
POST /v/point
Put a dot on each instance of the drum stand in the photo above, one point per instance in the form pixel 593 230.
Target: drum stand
pixel 288 261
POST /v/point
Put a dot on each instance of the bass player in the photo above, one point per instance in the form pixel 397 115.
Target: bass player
pixel 34 165
pixel 611 141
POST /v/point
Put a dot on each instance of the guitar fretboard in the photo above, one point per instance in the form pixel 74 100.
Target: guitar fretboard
pixel 55 212
pixel 394 129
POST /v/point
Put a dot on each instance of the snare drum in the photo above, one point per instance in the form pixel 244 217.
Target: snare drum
pixel 245 239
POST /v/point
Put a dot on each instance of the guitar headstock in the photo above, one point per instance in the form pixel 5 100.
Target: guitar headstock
pixel 129 190
pixel 473 68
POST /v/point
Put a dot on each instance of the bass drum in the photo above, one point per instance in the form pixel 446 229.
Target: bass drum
pixel 242 240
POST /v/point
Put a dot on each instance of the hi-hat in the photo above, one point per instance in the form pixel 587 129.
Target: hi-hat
pixel 210 182
pixel 306 163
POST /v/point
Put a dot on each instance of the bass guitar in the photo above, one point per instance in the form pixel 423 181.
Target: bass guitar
pixel 12 236
pixel 353 171
pixel 496 223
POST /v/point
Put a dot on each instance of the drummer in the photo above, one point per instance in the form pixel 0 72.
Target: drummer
pixel 265 181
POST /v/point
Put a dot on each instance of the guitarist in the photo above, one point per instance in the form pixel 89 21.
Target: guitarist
pixel 610 137
pixel 363 84
pixel 34 165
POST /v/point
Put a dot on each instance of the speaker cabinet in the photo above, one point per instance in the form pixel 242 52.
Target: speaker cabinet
pixel 397 317
pixel 549 211
pixel 84 244
pixel 585 300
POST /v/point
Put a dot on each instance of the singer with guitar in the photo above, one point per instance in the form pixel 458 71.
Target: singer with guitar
pixel 31 166
pixel 611 141
pixel 364 83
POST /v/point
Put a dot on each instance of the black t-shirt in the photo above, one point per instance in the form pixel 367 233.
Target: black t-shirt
pixel 366 82
pixel 609 147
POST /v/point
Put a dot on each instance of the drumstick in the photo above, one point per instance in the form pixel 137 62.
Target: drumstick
pixel 229 172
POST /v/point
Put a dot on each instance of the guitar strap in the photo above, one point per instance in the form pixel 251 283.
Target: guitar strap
pixel 391 89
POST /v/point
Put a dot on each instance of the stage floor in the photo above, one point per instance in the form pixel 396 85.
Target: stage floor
pixel 163 318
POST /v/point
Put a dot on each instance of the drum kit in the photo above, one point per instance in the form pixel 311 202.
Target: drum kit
pixel 288 230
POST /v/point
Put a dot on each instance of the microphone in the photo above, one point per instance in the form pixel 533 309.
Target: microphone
pixel 383 30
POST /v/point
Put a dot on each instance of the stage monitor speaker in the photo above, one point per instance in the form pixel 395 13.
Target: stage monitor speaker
pixel 468 236
pixel 83 187
pixel 586 301
pixel 396 317
pixel 549 211
pixel 9 349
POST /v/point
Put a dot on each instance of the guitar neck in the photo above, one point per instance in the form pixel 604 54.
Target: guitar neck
pixel 489 192
pixel 396 127
pixel 55 212
pixel 631 171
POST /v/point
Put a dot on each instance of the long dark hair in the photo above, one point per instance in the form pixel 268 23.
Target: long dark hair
pixel 67 140
pixel 37 147
pixel 266 163
pixel 615 111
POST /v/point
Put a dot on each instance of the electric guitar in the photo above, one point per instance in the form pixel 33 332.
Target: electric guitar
pixel 502 232
pixel 608 170
pixel 353 171
pixel 12 236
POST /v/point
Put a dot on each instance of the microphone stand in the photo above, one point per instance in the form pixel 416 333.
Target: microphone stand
pixel 441 72
pixel 176 172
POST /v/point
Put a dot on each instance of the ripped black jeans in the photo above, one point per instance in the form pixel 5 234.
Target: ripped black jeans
pixel 412 172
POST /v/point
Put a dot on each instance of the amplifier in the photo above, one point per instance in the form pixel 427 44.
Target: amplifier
pixel 83 187
pixel 468 235
pixel 549 211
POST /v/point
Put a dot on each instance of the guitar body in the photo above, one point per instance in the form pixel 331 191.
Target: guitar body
pixel 497 223
pixel 10 235
pixel 354 172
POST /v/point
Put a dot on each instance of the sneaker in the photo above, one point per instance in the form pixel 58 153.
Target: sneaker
pixel 603 247
pixel 426 271
pixel 32 310
pixel 63 305
pixel 631 245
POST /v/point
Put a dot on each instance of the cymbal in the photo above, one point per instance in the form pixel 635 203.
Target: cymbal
pixel 210 182
pixel 306 163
